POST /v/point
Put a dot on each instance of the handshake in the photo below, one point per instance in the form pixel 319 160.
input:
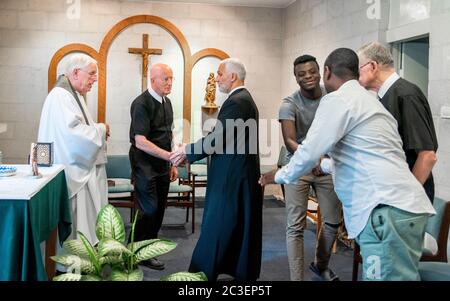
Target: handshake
pixel 178 155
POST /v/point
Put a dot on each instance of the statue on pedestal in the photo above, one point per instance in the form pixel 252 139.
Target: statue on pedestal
pixel 210 95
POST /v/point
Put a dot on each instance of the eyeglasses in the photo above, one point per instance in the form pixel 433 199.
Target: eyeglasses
pixel 369 62
pixel 167 79
pixel 92 74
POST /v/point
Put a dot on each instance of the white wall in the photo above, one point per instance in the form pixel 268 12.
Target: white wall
pixel 439 89
pixel 317 27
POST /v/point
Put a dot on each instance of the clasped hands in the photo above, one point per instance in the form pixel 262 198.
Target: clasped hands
pixel 269 178
pixel 178 155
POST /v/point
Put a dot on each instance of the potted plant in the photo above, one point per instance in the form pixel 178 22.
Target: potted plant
pixel 112 259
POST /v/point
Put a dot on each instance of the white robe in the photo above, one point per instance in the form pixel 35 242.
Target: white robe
pixel 82 149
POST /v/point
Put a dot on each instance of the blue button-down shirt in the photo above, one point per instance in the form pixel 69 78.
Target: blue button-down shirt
pixel 370 167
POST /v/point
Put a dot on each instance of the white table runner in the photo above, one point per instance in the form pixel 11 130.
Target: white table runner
pixel 22 186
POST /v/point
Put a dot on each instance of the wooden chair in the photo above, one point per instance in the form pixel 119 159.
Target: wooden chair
pixel 437 227
pixel 357 259
pixel 121 193
pixel 434 271
pixel 182 193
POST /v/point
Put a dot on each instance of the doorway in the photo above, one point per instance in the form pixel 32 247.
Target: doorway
pixel 412 61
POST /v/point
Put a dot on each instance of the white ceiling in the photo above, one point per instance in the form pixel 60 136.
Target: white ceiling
pixel 251 3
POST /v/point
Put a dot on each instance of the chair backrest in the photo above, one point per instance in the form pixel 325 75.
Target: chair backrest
pixel 282 161
pixel 438 225
pixel 203 161
pixel 118 166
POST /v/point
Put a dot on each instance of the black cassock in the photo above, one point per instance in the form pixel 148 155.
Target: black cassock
pixel 231 232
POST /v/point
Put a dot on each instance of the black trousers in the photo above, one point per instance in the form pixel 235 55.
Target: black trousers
pixel 151 192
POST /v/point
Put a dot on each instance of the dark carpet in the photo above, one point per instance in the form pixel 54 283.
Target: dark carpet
pixel 269 202
pixel 274 257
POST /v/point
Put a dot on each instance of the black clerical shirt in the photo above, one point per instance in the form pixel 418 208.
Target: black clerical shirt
pixel 154 120
pixel 409 106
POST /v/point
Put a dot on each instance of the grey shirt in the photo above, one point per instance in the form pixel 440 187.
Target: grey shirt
pixel 302 111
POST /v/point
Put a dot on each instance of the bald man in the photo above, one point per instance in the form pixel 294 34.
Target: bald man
pixel 151 144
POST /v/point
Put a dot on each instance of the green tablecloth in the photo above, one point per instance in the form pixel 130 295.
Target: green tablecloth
pixel 24 224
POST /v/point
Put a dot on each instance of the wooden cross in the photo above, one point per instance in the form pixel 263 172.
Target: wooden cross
pixel 145 52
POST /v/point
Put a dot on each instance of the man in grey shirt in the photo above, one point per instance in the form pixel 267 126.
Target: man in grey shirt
pixel 296 116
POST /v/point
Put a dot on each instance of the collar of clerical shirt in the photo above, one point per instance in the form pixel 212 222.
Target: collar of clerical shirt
pixel 388 84
pixel 155 95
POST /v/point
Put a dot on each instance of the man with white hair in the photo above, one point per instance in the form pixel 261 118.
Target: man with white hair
pixel 409 106
pixel 79 143
pixel 231 235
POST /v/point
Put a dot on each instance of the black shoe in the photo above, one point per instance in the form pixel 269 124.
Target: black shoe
pixel 58 272
pixel 225 277
pixel 153 263
pixel 324 275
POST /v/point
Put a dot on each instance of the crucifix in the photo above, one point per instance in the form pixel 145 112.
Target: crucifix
pixel 145 52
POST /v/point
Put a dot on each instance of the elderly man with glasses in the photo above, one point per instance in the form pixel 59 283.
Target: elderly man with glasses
pixel 409 106
pixel 79 142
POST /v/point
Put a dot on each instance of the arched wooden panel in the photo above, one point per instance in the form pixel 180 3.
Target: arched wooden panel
pixel 102 55
pixel 207 52
pixel 221 55
pixel 62 52
pixel 170 28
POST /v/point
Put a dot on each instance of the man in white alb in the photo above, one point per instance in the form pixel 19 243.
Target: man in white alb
pixel 79 143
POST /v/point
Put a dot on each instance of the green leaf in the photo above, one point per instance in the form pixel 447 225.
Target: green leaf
pixel 91 251
pixel 185 276
pixel 112 247
pixel 76 247
pixel 65 260
pixel 134 247
pixel 68 277
pixel 131 262
pixel 77 264
pixel 119 275
pixel 90 278
pixel 111 260
pixel 110 224
pixel 155 249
